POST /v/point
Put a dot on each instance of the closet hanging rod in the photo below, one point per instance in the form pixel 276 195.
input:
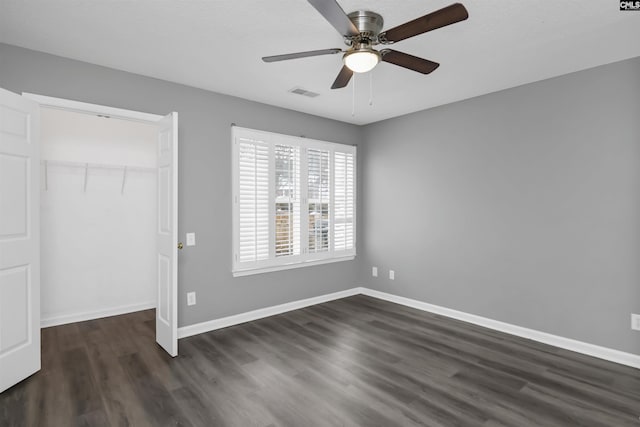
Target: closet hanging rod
pixel 83 165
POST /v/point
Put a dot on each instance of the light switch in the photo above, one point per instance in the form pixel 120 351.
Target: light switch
pixel 392 275
pixel 191 239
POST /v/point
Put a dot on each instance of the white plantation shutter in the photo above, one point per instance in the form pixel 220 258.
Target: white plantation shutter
pixel 318 197
pixel 253 201
pixel 294 201
pixel 287 185
pixel 344 202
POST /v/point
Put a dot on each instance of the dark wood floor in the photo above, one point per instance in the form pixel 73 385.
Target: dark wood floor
pixel 352 362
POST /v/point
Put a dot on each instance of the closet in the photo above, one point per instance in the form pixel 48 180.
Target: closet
pixel 88 221
pixel 97 215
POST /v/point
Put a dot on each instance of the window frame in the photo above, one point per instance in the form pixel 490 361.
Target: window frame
pixel 305 258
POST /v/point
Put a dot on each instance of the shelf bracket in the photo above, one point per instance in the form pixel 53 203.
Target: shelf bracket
pixel 124 179
pixel 86 175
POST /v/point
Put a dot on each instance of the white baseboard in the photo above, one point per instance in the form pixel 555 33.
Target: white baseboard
pixel 225 322
pixel 63 319
pixel 600 352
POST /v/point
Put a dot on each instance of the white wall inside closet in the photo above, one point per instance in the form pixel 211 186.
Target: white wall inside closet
pixel 98 223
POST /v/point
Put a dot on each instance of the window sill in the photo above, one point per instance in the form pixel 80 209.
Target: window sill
pixel 260 270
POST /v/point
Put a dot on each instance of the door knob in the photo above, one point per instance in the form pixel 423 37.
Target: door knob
pixel 180 245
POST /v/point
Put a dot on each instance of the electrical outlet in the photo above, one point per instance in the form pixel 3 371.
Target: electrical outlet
pixel 392 275
pixel 191 298
pixel 374 271
pixel 635 322
pixel 191 239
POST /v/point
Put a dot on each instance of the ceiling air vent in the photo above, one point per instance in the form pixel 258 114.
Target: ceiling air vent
pixel 303 92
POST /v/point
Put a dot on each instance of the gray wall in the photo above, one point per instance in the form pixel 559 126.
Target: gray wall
pixel 204 173
pixel 521 206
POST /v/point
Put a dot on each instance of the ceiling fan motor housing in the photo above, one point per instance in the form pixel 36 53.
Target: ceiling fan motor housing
pixel 368 23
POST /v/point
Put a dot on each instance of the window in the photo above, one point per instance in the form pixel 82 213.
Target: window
pixel 294 201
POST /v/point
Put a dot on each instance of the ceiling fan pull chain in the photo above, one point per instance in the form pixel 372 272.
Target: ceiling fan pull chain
pixel 353 98
pixel 371 88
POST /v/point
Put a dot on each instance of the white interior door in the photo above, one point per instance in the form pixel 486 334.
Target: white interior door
pixel 19 239
pixel 167 307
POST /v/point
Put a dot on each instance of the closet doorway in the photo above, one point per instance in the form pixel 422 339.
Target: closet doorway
pixel 93 202
pixel 112 178
pixel 97 216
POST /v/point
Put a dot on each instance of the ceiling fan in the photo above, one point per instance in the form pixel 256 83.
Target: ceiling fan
pixel 361 31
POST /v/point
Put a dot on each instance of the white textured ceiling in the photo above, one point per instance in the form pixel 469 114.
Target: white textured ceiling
pixel 217 45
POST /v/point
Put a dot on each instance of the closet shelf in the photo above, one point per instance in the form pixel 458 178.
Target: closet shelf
pixel 84 165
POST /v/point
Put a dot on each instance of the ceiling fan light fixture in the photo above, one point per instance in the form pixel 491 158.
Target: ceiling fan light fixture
pixel 361 60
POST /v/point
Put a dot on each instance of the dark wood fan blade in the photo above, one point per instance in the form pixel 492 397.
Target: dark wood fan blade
pixel 300 55
pixel 333 13
pixel 410 62
pixel 438 19
pixel 343 78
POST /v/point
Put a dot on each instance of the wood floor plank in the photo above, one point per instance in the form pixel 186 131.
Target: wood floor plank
pixel 157 402
pixel 358 361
